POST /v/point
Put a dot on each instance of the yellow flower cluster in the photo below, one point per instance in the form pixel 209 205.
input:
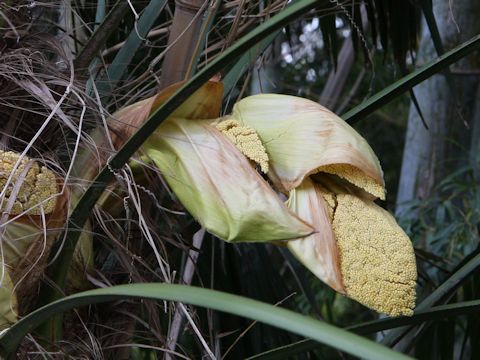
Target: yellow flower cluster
pixel 377 261
pixel 37 184
pixel 329 172
pixel 355 177
pixel 246 140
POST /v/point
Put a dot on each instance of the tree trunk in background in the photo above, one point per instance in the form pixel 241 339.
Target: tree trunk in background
pixel 431 154
pixel 338 77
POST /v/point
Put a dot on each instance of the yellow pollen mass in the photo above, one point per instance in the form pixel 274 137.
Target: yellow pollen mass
pixel 377 258
pixel 330 201
pixel 246 140
pixel 355 177
pixel 38 184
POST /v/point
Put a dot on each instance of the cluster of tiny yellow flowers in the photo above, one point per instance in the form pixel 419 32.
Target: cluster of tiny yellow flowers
pixel 37 184
pixel 330 201
pixel 376 257
pixel 356 177
pixel 246 140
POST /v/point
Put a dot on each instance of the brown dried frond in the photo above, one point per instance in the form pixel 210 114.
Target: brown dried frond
pixel 33 77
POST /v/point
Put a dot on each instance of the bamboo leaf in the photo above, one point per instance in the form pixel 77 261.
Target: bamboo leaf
pixel 101 12
pixel 233 304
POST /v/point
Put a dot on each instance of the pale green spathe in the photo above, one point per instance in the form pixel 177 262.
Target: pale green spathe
pixel 8 300
pixel 301 136
pixel 218 185
pixel 318 252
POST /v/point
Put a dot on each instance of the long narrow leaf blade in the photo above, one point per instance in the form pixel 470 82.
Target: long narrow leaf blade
pixel 409 81
pixel 233 304
pixel 436 313
pixel 124 57
pixel 245 62
pixel 100 36
pixel 447 288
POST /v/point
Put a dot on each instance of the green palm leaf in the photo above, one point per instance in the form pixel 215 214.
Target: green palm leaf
pixel 400 86
pixel 233 304
pixel 436 313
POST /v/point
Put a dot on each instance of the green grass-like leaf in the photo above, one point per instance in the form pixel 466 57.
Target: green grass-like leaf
pixel 124 57
pixel 436 313
pixel 445 290
pixel 100 36
pixel 400 86
pixel 424 312
pixel 246 61
pixel 233 304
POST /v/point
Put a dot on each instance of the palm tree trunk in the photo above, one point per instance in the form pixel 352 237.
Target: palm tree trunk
pixel 187 21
